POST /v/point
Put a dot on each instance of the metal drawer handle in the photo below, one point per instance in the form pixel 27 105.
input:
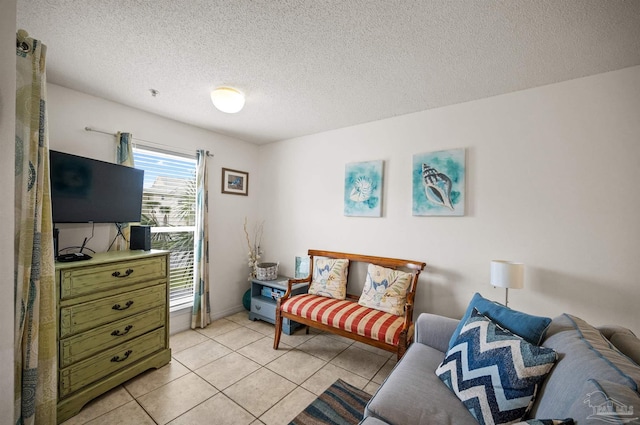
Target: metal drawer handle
pixel 117 359
pixel 119 307
pixel 120 275
pixel 126 331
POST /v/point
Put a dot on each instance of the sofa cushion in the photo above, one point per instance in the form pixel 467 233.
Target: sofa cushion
pixel 609 330
pixel 372 421
pixel 435 330
pixel 495 373
pixel 531 328
pixel 413 395
pixel 330 278
pixel 385 289
pixel 583 354
pixel 605 402
pixel 628 345
pixel 348 316
pixel 623 339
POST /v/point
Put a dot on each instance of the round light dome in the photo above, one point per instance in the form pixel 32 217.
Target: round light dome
pixel 227 99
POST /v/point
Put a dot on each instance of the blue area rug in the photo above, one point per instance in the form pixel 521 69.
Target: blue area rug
pixel 340 404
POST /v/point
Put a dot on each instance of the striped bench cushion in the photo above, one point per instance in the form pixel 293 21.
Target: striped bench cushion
pixel 348 316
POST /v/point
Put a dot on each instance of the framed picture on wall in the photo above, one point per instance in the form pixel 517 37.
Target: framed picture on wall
pixel 439 183
pixel 363 189
pixel 235 182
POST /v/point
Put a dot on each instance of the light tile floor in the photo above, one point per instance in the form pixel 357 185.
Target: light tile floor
pixel 229 373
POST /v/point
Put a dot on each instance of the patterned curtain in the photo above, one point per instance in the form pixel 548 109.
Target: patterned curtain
pixel 34 284
pixel 124 156
pixel 200 316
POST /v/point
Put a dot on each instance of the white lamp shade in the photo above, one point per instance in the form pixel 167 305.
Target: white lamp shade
pixel 506 274
pixel 227 99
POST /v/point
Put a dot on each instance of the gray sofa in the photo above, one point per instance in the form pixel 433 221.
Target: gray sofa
pixel 591 375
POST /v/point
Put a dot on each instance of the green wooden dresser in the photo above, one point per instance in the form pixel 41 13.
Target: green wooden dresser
pixel 113 323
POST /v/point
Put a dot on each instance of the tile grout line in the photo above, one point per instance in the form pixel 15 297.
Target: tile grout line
pixel 243 325
pixel 296 385
pixel 296 348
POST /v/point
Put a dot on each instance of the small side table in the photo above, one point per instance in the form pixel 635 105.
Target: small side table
pixel 264 294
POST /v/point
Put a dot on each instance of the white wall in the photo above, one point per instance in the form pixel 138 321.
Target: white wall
pixel 71 111
pixel 552 181
pixel 7 168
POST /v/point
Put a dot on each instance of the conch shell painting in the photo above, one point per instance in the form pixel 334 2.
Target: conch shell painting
pixel 437 186
pixel 363 189
pixel 439 183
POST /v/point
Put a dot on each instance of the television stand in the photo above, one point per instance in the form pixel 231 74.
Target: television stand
pixel 112 320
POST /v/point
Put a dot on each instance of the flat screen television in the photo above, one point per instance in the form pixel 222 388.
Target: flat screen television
pixel 87 190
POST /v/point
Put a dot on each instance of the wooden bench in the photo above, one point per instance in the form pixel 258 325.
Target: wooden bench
pixel 346 317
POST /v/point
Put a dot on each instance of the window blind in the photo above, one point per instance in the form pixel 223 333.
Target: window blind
pixel 169 207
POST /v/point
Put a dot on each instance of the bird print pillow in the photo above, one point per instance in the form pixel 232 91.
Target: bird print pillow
pixel 385 289
pixel 330 278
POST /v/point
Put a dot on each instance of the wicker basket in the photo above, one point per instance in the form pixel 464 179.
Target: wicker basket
pixel 267 271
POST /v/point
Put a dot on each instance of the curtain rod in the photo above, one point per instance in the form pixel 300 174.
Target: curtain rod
pixel 147 141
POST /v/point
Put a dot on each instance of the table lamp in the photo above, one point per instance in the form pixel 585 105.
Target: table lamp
pixel 507 274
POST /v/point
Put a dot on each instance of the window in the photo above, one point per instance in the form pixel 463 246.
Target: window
pixel 169 207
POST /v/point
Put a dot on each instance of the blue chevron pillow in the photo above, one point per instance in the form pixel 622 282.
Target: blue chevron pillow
pixel 495 373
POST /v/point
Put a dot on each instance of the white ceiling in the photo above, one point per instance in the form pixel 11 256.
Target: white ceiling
pixel 309 66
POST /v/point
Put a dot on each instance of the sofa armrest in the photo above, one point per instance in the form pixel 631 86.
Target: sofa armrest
pixel 435 331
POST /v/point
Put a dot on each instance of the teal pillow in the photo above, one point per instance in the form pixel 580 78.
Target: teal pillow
pixel 530 328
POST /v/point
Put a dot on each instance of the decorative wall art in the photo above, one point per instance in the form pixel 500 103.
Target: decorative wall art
pixel 439 183
pixel 363 189
pixel 235 182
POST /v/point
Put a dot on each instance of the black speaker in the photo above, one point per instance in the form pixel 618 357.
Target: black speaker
pixel 140 238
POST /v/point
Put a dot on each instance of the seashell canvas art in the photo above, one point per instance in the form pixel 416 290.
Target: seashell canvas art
pixel 363 189
pixel 437 186
pixel 439 183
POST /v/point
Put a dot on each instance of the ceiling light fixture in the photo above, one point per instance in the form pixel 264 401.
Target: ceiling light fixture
pixel 227 99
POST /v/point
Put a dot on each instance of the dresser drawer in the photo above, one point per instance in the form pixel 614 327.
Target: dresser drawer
pixel 97 367
pixel 84 316
pixel 96 340
pixel 90 279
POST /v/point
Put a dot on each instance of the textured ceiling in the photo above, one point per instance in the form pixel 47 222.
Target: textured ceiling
pixel 315 65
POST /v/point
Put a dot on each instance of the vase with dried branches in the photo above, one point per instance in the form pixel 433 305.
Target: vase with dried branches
pixel 253 243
